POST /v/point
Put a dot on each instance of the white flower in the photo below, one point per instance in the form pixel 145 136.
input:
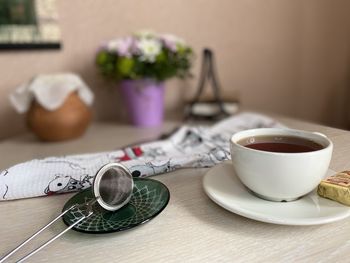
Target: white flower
pixel 149 49
pixel 145 34
pixel 112 45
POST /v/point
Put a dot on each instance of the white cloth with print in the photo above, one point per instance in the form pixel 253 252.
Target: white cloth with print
pixel 50 91
pixel 188 147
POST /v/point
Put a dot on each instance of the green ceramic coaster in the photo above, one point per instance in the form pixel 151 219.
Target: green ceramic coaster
pixel 149 198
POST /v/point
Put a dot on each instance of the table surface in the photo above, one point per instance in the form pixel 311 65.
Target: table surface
pixel 191 229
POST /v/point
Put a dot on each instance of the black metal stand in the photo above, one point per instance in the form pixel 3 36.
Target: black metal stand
pixel 208 73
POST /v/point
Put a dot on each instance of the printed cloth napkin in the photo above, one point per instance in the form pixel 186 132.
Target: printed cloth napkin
pixel 188 147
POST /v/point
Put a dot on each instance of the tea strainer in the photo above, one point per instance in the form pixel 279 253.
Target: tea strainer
pixel 112 188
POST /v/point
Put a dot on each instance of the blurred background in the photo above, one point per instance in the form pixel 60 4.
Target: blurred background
pixel 280 56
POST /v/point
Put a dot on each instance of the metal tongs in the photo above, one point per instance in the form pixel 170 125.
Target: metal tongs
pixel 112 188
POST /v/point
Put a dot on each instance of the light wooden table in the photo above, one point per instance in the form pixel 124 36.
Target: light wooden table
pixel 191 229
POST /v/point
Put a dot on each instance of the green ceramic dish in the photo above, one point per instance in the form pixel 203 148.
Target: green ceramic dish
pixel 149 198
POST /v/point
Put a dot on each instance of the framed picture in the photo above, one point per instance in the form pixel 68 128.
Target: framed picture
pixel 29 24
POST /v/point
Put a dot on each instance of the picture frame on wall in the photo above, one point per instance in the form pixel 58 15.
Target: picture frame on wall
pixel 29 24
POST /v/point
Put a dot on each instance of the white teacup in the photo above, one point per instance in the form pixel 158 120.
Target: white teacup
pixel 280 176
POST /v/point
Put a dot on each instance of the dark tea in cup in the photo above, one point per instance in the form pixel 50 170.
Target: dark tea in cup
pixel 282 144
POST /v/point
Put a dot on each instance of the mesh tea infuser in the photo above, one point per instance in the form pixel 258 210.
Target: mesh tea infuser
pixel 112 188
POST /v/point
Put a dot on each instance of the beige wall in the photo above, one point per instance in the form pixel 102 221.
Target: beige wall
pixel 290 57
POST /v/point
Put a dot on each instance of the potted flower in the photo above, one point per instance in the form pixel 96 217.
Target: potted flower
pixel 141 63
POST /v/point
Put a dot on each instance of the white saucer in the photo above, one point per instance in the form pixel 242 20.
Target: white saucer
pixel 224 188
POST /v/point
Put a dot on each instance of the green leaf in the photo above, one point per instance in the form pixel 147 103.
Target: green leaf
pixel 101 58
pixel 161 57
pixel 125 65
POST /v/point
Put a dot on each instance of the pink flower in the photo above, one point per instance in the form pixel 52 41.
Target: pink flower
pixel 171 42
pixel 124 47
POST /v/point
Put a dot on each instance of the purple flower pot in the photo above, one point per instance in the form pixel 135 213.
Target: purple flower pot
pixel 144 101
